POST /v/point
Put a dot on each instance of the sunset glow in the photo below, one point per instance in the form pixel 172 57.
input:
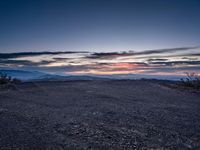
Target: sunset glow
pixel 152 63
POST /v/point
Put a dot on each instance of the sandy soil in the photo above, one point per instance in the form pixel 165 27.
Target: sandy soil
pixel 98 115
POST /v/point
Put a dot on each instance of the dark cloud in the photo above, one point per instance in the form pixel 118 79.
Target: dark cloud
pixel 132 53
pixel 23 62
pixel 167 50
pixel 61 59
pixel 180 55
pixel 173 63
pixel 24 54
pixel 157 59
pixel 196 54
pixel 109 55
pixel 97 55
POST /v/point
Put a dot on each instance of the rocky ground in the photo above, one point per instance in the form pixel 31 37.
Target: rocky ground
pixel 98 115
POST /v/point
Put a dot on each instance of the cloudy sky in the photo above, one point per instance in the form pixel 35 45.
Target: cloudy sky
pixel 158 37
pixel 159 62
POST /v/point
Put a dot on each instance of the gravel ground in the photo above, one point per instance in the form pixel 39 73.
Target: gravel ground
pixel 78 115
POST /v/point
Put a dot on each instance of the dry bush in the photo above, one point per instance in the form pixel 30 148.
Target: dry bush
pixel 5 79
pixel 192 80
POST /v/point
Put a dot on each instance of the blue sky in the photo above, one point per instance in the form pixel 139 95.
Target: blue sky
pixel 98 25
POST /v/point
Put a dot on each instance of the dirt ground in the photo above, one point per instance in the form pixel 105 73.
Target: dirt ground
pixel 98 115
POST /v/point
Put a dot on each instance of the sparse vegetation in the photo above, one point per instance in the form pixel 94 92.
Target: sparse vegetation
pixel 5 79
pixel 192 80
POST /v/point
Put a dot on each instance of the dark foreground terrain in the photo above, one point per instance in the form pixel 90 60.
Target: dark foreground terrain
pixel 98 115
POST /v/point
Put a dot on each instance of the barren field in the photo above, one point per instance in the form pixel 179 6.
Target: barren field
pixel 98 115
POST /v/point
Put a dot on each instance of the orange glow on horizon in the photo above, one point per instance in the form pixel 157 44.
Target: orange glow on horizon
pixel 110 69
pixel 99 72
pixel 124 66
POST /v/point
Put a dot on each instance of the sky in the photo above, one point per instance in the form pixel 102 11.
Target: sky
pixel 154 37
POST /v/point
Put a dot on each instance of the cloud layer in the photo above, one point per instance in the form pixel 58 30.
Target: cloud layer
pixel 153 62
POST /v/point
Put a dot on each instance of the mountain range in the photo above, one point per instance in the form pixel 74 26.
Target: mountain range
pixel 41 76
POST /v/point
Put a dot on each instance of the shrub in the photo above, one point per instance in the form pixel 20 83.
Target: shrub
pixel 5 79
pixel 192 80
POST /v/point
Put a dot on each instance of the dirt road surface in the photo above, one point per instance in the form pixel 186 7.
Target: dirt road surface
pixel 98 115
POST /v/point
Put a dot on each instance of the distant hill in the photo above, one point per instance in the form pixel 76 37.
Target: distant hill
pixel 50 77
pixel 40 76
pixel 140 76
